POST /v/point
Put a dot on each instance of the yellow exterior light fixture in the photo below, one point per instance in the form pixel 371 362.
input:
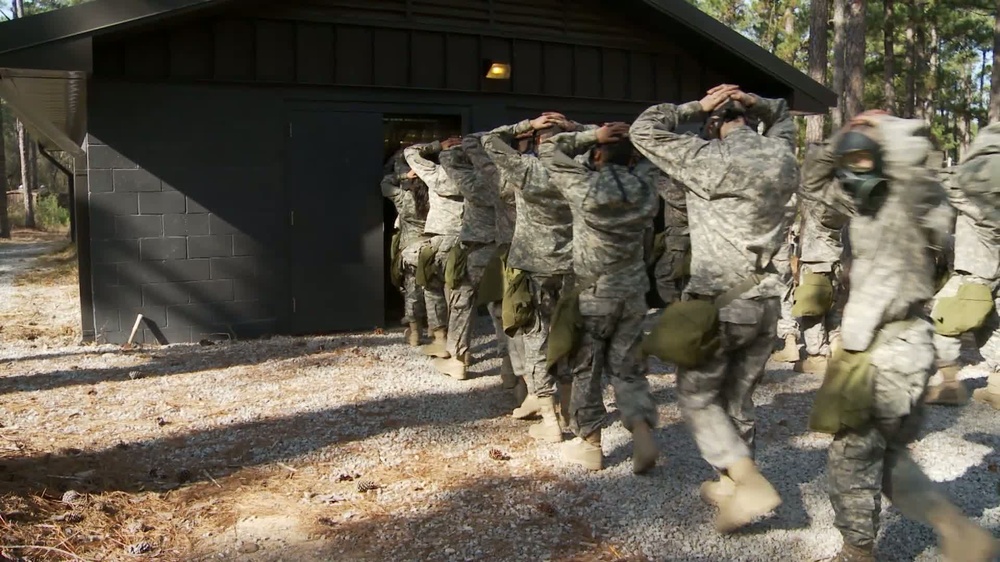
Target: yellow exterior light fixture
pixel 497 70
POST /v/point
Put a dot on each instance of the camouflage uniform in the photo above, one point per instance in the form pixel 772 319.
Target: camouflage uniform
pixel 787 324
pixel 820 253
pixel 443 226
pixel 411 232
pixel 542 245
pixel 612 209
pixel 477 238
pixel 669 270
pixel 891 280
pixel 972 191
pixel 738 191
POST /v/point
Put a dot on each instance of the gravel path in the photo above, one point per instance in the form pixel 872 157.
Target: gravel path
pixel 16 258
pixel 259 448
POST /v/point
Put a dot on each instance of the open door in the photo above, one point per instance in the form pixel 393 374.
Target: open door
pixel 334 165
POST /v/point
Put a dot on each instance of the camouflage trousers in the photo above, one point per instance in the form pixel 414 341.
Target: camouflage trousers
pixel 545 291
pixel 819 331
pixel 949 348
pixel 716 399
pixel 414 305
pixel 434 294
pixel 787 324
pixel 609 346
pixel 863 465
pixel 669 272
pixel 462 302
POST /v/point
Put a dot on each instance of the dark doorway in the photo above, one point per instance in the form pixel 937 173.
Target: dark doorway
pixel 401 131
pixel 336 259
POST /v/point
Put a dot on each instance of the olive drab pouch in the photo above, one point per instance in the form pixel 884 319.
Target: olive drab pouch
pixel 456 266
pixel 396 262
pixel 967 311
pixel 687 334
pixel 565 328
pixel 425 265
pixel 813 297
pixel 491 285
pixel 846 397
pixel 517 310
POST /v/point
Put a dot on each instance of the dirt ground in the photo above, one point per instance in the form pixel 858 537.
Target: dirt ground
pixel 350 448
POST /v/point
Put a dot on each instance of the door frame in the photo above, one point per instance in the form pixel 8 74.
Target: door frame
pixel 297 105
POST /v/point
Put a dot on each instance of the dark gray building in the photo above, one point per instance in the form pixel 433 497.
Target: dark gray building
pixel 228 153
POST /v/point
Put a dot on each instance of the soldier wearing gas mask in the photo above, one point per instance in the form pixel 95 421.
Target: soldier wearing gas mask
pixel 874 172
pixel 968 301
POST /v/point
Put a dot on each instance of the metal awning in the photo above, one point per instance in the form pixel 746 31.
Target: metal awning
pixel 51 103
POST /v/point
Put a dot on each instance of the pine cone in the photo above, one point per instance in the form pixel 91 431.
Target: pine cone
pixel 367 486
pixel 498 455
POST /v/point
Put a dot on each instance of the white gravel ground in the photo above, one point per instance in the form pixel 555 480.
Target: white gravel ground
pixel 274 436
pixel 368 405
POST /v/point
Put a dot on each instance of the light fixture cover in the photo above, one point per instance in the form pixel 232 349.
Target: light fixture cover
pixel 498 71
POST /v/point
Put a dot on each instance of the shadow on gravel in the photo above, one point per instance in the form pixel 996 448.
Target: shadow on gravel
pixel 177 459
pixel 976 491
pixel 168 361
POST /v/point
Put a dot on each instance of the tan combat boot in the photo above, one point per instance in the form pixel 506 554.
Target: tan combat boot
pixel 714 492
pixel 520 391
pixel 951 391
pixel 548 429
pixel 991 394
pixel 753 497
pixel 788 354
pixel 961 539
pixel 812 364
pixel 438 347
pixel 453 367
pixel 532 406
pixel 565 390
pixel 584 452
pixel 412 334
pixel 644 450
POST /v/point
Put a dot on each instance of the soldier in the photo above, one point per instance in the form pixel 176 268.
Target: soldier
pixel 871 397
pixel 787 262
pixel 443 225
pixel 613 206
pixel 542 249
pixel 409 195
pixel 739 184
pixel 469 257
pixel 511 347
pixel 672 269
pixel 969 300
pixel 818 285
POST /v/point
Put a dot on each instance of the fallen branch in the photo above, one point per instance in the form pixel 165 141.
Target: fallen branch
pixel 212 479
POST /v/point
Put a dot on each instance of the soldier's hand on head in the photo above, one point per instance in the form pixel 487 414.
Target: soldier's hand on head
pixel 869 117
pixel 411 175
pixel 545 121
pixel 746 99
pixel 717 96
pixel 450 143
pixel 612 132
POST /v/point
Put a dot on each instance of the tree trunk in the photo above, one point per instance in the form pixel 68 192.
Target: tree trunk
pixel 920 59
pixel 909 109
pixel 995 82
pixel 839 44
pixel 854 59
pixel 27 171
pixel 932 82
pixel 819 25
pixel 889 53
pixel 4 215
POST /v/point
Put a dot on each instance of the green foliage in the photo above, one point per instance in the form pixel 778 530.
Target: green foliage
pixel 952 78
pixel 50 215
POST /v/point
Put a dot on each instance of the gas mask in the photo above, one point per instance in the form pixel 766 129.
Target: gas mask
pixel 859 170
